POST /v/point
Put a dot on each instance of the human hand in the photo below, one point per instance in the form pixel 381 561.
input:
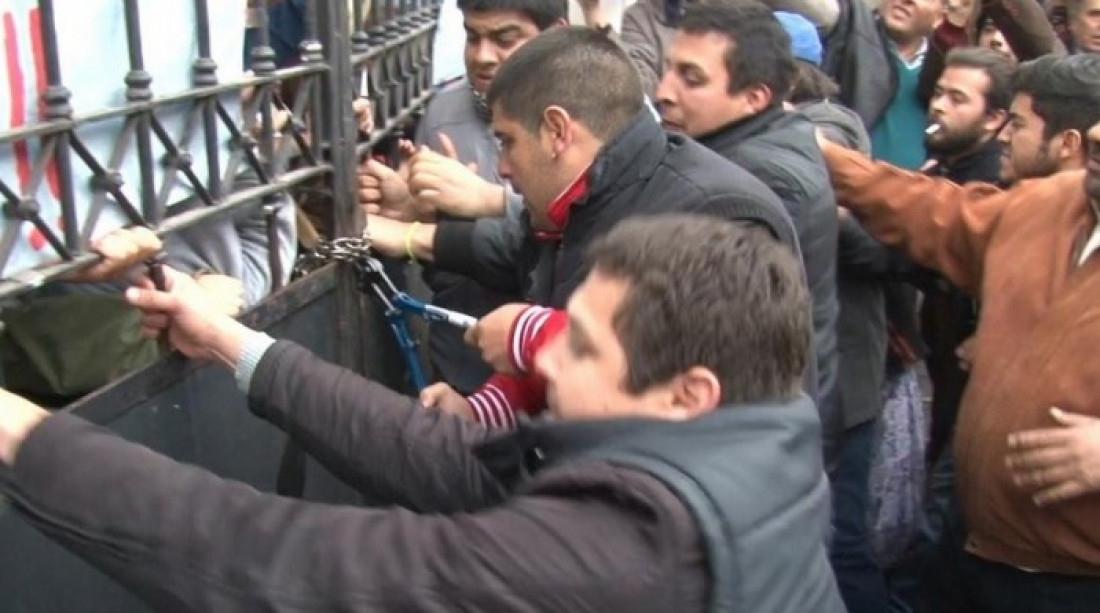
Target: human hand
pixel 364 114
pixel 387 236
pixel 223 292
pixel 18 416
pixel 444 398
pixel 492 336
pixel 121 250
pixel 1057 464
pixel 442 183
pixel 965 353
pixel 383 192
pixel 183 312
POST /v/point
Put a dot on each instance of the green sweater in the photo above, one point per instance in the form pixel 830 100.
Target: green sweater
pixel 898 138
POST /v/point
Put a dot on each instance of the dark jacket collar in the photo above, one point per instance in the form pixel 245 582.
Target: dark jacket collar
pixel 729 136
pixel 984 165
pixel 516 456
pixel 631 155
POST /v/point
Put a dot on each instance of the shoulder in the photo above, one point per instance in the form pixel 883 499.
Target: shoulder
pixel 598 536
pixel 712 174
pixel 451 104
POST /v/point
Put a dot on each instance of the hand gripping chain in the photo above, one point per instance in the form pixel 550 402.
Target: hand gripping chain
pixel 397 304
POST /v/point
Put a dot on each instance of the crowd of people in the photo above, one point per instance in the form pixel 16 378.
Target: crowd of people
pixel 782 307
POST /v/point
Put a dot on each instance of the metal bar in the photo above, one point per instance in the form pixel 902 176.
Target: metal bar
pixel 245 142
pixel 181 161
pixel 32 279
pixel 206 75
pixel 274 259
pixel 303 99
pixel 381 133
pixel 58 109
pixel 112 183
pixel 45 128
pixel 138 90
pixel 341 133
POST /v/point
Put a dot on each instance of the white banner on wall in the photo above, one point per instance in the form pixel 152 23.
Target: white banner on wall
pixel 94 60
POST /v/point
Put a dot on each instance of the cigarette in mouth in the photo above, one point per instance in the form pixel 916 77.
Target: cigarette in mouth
pixel 932 129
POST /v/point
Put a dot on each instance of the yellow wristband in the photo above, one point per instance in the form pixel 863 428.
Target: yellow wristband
pixel 409 241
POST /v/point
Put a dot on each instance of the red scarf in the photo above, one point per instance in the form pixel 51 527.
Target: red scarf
pixel 559 209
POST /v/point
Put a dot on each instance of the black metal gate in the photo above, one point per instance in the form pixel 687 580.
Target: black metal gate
pixel 189 412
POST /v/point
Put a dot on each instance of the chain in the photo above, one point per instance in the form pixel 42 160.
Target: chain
pixel 352 250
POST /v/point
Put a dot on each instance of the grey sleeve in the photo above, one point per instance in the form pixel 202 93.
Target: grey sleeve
pixel 237 246
pixel 823 13
pixel 859 254
pixel 643 45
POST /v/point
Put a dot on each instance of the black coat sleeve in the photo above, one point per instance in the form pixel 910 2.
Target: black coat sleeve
pixel 183 539
pixel 490 250
pixel 380 442
pixel 860 255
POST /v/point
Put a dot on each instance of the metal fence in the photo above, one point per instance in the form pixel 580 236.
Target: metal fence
pixel 321 137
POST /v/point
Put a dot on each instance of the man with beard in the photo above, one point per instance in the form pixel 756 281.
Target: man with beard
pixel 1055 103
pixel 1029 254
pixel 968 109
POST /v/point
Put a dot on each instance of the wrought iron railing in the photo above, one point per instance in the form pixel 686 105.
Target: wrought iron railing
pixel 386 56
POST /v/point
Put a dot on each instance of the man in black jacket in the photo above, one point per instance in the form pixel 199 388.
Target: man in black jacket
pixel 683 475
pixel 969 107
pixel 579 144
pixel 730 68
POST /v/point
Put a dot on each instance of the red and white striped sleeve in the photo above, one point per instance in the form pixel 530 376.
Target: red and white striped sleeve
pixel 533 329
pixel 498 402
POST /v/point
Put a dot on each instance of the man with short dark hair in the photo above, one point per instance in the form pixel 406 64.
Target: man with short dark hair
pixel 729 70
pixel 455 171
pixel 968 109
pixel 586 153
pixel 1029 253
pixel 1057 100
pixel 684 473
pixel 1083 20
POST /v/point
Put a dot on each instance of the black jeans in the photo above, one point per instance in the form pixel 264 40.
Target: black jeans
pixel 996 588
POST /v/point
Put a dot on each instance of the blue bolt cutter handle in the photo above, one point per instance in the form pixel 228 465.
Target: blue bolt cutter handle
pixel 398 304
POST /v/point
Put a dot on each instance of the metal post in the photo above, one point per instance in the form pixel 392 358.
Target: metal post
pixel 56 98
pixel 206 75
pixel 341 133
pixel 138 90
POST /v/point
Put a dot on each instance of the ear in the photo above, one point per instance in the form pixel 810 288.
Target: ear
pixel 696 392
pixel 759 97
pixel 558 126
pixel 994 121
pixel 1070 145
